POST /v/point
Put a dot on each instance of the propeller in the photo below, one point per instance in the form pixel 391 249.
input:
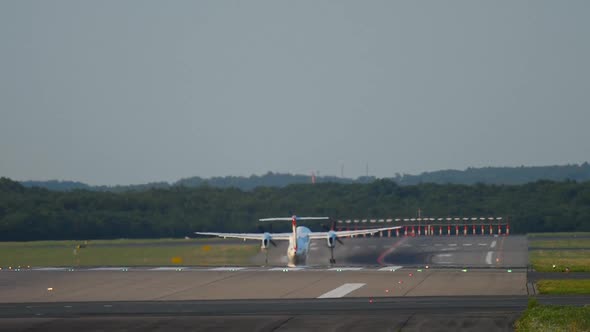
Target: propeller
pixel 331 228
pixel 261 229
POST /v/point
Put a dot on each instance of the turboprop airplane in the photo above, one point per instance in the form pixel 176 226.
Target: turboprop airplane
pixel 300 238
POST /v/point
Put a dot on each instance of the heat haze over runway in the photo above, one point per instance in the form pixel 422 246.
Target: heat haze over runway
pixel 443 251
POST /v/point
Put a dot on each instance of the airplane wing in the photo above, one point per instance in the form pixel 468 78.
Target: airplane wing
pixel 249 236
pixel 323 235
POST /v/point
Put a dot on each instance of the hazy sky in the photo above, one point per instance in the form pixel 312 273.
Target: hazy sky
pixel 120 92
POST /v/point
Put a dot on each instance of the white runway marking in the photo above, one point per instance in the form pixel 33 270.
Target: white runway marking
pixel 390 268
pixel 466 244
pixel 356 247
pixel 444 255
pixel 482 244
pixel 49 269
pixel 313 248
pixel 489 257
pixel 438 244
pixel 493 244
pixel 448 249
pixel 226 269
pixel 452 244
pixel 345 269
pixel 341 291
pixel 406 245
pixel 167 268
pixel 445 263
pixel 107 269
pixel 286 269
pixel 373 247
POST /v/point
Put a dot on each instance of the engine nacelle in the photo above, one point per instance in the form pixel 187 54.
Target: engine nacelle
pixel 331 239
pixel 266 240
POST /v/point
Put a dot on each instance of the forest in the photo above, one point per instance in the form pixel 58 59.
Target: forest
pixel 471 175
pixel 40 214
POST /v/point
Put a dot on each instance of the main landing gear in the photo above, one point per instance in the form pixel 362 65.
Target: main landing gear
pixel 265 256
pixel 332 260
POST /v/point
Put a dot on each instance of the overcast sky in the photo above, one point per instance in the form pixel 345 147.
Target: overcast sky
pixel 121 92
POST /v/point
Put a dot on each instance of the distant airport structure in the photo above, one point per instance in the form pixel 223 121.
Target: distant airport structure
pixel 423 226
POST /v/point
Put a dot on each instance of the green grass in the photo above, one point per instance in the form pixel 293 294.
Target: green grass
pixel 576 260
pixel 572 243
pixel 564 286
pixel 142 253
pixel 553 318
pixel 564 234
pixel 69 243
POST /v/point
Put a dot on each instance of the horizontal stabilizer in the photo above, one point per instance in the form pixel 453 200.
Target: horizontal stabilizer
pixel 294 217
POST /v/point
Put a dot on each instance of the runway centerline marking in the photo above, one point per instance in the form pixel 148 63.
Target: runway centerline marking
pixel 466 244
pixel 167 268
pixel 482 244
pixel 286 269
pixel 106 269
pixel 438 244
pixel 452 244
pixel 341 291
pixel 489 257
pixel 225 268
pixel 493 244
pixel 345 269
pixel 49 269
pixel 390 268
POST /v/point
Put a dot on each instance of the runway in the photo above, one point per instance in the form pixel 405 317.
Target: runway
pixel 446 251
pixel 491 313
pixel 90 285
pixel 471 283
pixel 367 267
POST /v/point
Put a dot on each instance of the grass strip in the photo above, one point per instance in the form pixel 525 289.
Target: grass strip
pixel 553 318
pixel 563 234
pixel 72 243
pixel 564 286
pixel 141 255
pixel 572 243
pixel 575 260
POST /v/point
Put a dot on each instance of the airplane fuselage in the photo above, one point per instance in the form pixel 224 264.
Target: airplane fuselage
pixel 298 246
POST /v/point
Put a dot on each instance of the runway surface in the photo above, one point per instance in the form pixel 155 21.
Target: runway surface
pixel 469 251
pixel 478 283
pixel 491 313
pixel 89 285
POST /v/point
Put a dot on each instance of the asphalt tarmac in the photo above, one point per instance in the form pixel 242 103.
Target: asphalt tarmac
pixel 444 251
pixel 478 283
pixel 491 313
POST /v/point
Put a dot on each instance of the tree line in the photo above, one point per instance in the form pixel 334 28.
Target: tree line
pixel 488 175
pixel 40 214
